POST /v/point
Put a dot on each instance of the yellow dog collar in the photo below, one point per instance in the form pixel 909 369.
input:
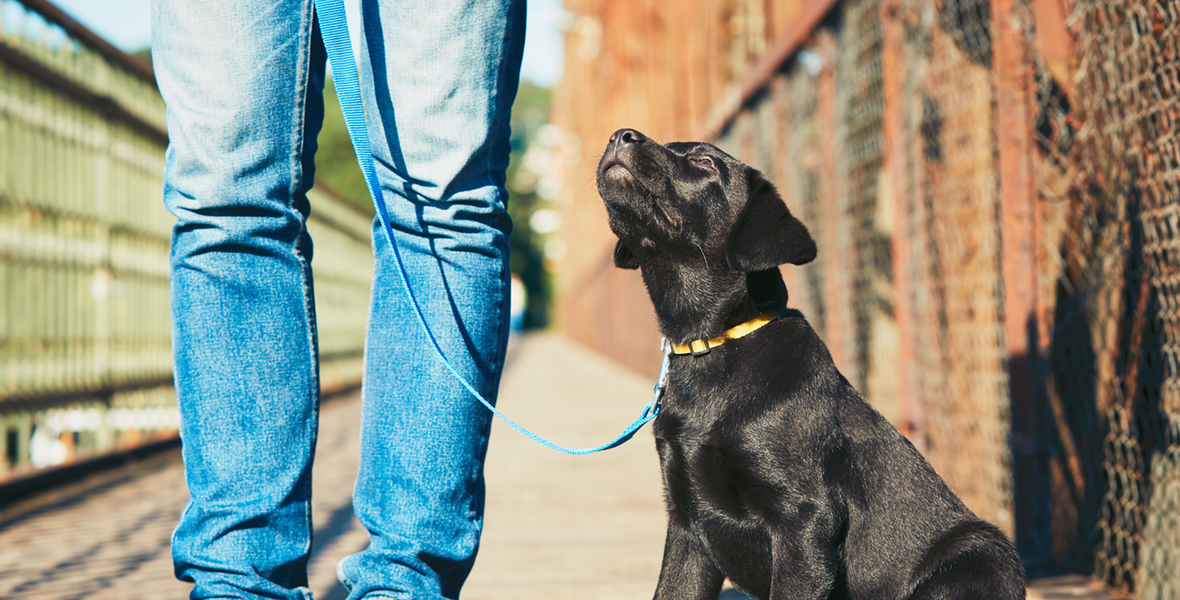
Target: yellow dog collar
pixel 699 347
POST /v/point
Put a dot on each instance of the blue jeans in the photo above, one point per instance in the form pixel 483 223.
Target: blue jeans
pixel 243 82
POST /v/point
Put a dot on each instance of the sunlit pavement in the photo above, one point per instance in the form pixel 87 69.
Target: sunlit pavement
pixel 561 527
pixel 557 527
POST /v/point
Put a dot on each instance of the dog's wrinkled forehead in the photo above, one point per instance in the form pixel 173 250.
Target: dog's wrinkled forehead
pixel 726 165
pixel 687 148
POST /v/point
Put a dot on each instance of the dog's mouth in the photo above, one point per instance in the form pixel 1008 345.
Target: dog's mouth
pixel 614 170
pixel 614 173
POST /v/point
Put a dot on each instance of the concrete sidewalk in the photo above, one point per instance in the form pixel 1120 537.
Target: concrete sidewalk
pixel 558 527
pixel 561 527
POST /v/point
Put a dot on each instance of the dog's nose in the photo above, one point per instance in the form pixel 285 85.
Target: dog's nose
pixel 627 136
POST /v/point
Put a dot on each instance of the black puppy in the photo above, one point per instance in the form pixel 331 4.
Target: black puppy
pixel 777 474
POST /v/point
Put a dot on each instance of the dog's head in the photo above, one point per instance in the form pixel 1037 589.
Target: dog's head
pixel 690 200
pixel 707 231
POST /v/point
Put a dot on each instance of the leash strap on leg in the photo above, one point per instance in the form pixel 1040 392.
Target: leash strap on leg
pixel 334 29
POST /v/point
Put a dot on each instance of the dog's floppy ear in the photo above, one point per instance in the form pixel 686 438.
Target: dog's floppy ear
pixel 766 234
pixel 624 259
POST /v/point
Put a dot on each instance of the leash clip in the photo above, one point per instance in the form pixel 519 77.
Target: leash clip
pixel 661 380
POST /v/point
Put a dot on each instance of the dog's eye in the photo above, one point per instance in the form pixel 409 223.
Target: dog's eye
pixel 703 161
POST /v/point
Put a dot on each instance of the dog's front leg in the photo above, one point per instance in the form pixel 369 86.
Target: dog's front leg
pixel 687 572
pixel 802 571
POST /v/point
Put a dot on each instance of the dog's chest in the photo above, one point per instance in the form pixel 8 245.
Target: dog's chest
pixel 709 471
pixel 712 487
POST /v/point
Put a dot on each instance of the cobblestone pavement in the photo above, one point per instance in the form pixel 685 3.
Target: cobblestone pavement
pixel 557 527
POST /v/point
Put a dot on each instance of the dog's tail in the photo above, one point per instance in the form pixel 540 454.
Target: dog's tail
pixel 973 560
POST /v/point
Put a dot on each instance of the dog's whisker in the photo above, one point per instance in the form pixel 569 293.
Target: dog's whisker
pixel 703 257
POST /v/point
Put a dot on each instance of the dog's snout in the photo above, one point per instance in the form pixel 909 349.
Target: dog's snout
pixel 623 137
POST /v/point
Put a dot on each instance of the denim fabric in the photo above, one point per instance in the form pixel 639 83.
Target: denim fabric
pixel 243 83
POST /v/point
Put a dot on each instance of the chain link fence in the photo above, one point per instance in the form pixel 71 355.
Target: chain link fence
pixel 1121 266
pixel 994 187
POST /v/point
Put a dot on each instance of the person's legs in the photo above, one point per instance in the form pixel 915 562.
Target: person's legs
pixel 440 78
pixel 243 81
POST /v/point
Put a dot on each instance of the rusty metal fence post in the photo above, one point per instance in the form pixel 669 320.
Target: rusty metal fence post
pixel 1014 66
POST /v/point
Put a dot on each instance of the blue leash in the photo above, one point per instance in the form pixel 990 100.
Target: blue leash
pixel 334 29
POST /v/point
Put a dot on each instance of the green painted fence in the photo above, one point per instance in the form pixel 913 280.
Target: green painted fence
pixel 85 352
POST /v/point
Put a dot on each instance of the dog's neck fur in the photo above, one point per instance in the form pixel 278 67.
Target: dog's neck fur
pixel 693 303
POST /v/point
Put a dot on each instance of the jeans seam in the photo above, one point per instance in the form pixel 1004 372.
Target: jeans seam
pixel 504 128
pixel 491 384
pixel 299 140
pixel 501 191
